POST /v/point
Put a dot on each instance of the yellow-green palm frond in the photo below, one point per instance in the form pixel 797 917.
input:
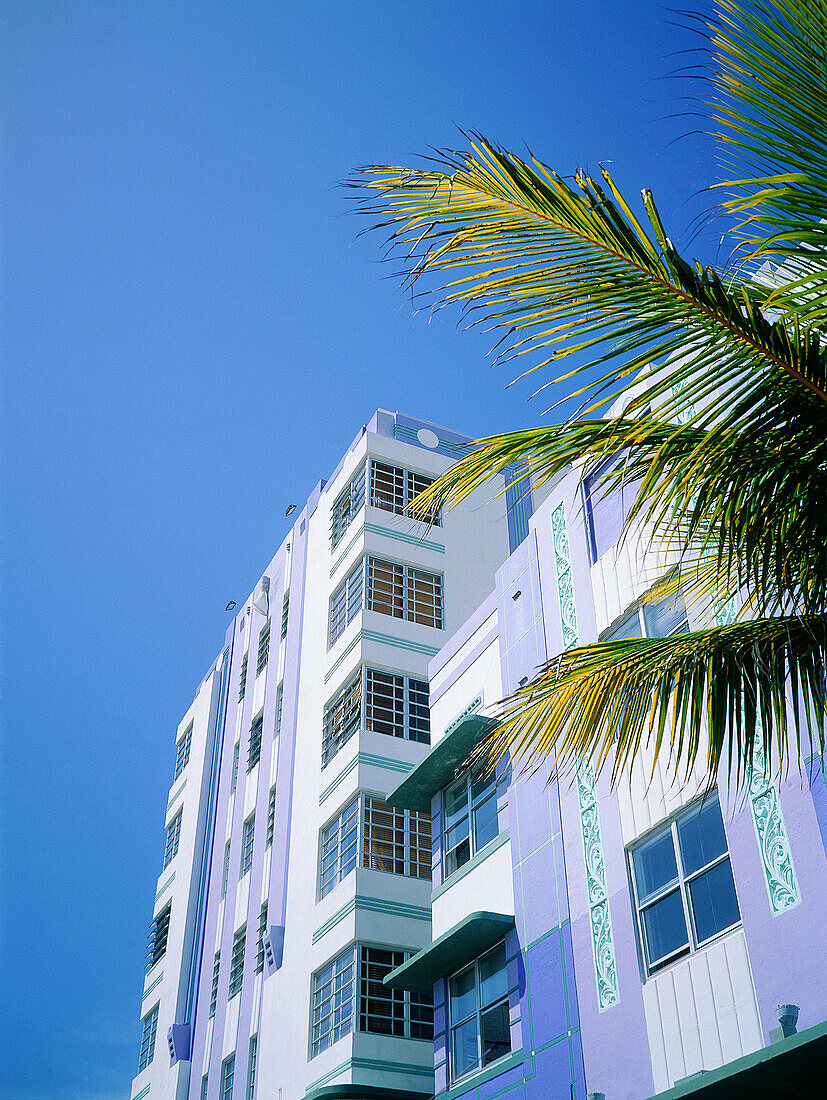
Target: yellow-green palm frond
pixel 702 697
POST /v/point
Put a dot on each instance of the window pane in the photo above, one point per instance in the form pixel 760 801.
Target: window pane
pixel 702 837
pixel 665 927
pixel 493 978
pixel 665 617
pixel 655 865
pixel 425 598
pixel 496 1037
pixel 486 824
pixel 714 904
pixel 465 1046
pixel 384 704
pixel 385 588
pixel 463 995
pixel 626 628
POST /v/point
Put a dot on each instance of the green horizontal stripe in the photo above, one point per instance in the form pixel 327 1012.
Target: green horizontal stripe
pixel 151 986
pixel 371 905
pixel 364 758
pixel 176 794
pixel 391 1067
pixel 341 657
pixel 400 643
pixel 400 536
pixel 144 1092
pixel 165 885
pixel 345 552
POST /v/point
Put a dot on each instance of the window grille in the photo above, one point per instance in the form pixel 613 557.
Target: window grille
pixel 158 936
pixel 247 839
pixel 237 962
pixel 471 819
pixel 251 1067
pixel 331 1008
pixel 254 750
pixel 242 683
pixel 386 1011
pixel 173 836
pixel 285 614
pixel 263 648
pixel 339 849
pixel 271 817
pixel 227 1075
pixel 216 971
pixel 478 1006
pixel 395 840
pixel 346 602
pixel 393 488
pixel 346 506
pixel 262 931
pixel 682 885
pixel 404 592
pixel 342 717
pixel 397 705
pixel 226 875
pixel 182 753
pixel 234 777
pixel 149 1027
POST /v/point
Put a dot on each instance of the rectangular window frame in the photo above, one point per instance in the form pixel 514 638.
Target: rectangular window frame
pixel 182 751
pixel 346 603
pixel 254 747
pixel 480 1010
pixel 263 649
pixel 339 847
pixel 248 839
pixel 347 506
pixel 271 817
pixel 393 489
pixel 158 936
pixel 378 1002
pixel 227 1078
pixel 216 974
pixel 173 838
pixel 149 1030
pixel 242 679
pixel 262 932
pixel 472 804
pixel 237 962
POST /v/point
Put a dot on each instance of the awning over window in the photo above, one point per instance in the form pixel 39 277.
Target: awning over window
pixel 438 768
pixel 456 947
pixel 792 1067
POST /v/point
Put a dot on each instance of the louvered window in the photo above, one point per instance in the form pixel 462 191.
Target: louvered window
pixel 216 971
pixel 254 751
pixel 237 962
pixel 386 1011
pixel 234 777
pixel 263 648
pixel 226 875
pixel 182 751
pixel 173 836
pixel 346 506
pixel 262 931
pixel 158 936
pixel 271 817
pixel 279 707
pixel 285 614
pixel 242 683
pixel 342 717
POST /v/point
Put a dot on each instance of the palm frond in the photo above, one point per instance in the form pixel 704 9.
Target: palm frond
pixel 703 695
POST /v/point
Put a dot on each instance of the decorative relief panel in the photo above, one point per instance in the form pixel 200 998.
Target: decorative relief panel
pixel 765 803
pixel 601 925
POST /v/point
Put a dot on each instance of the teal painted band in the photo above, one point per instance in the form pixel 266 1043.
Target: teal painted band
pixel 413 540
pixel 329 1076
pixel 511 1061
pixel 372 905
pixel 152 985
pixel 343 774
pixel 349 649
pixel 400 643
pixel 144 1092
pixel 169 882
pixel 175 795
pixel 393 1067
pixel 475 861
pixel 365 758
pixel 346 551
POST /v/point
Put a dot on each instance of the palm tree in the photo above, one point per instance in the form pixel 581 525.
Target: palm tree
pixel 721 377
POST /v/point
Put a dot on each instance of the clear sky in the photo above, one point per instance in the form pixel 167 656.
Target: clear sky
pixel 191 336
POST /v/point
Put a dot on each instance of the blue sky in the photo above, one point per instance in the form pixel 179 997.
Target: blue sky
pixel 191 336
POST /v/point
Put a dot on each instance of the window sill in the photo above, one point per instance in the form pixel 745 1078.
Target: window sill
pixel 475 860
pixel 480 1076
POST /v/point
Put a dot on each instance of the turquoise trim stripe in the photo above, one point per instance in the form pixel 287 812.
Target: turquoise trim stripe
pixel 175 795
pixel 169 882
pixel 372 905
pixel 413 540
pixel 343 774
pixel 349 649
pixel 385 639
pixel 144 1092
pixel 364 758
pixel 371 1064
pixel 152 985
pixel 346 551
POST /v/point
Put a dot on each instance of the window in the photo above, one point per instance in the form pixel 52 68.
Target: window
pixel 263 648
pixel 480 1032
pixel 393 488
pixel 262 932
pixel 346 506
pixel 182 753
pixel 397 705
pixel 173 836
pixel 205 1083
pixel 395 840
pixel 404 592
pixel 251 1067
pixel 652 619
pixel 279 707
pixel 271 817
pixel 682 884
pixel 394 704
pixel 158 936
pixel 285 614
pixel 237 961
pixel 216 971
pixel 339 848
pixel 607 507
pixel 225 877
pixel 149 1027
pixel 242 682
pixel 346 602
pixel 227 1075
pixel 471 820
pixel 234 778
pixel 342 717
pixel 380 1010
pixel 254 751
pixel 248 833
pixel 386 1011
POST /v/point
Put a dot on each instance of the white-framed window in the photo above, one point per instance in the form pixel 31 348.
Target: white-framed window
pixel 682 885
pixel 234 777
pixel 349 992
pixel 478 1009
pixel 347 506
pixel 393 488
pixel 173 837
pixel 346 602
pixel 226 875
pixel 339 847
pixel 205 1085
pixel 285 615
pixel 404 592
pixel 149 1028
pixel 242 680
pixel 651 619
pixel 470 818
pixel 251 1067
pixel 394 704
pixel 237 961
pixel 279 706
pixel 254 748
pixel 262 931
pixel 263 648
pixel 375 835
pixel 227 1075
pixel 182 751
pixel 271 817
pixel 216 972
pixel 158 936
pixel 248 833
